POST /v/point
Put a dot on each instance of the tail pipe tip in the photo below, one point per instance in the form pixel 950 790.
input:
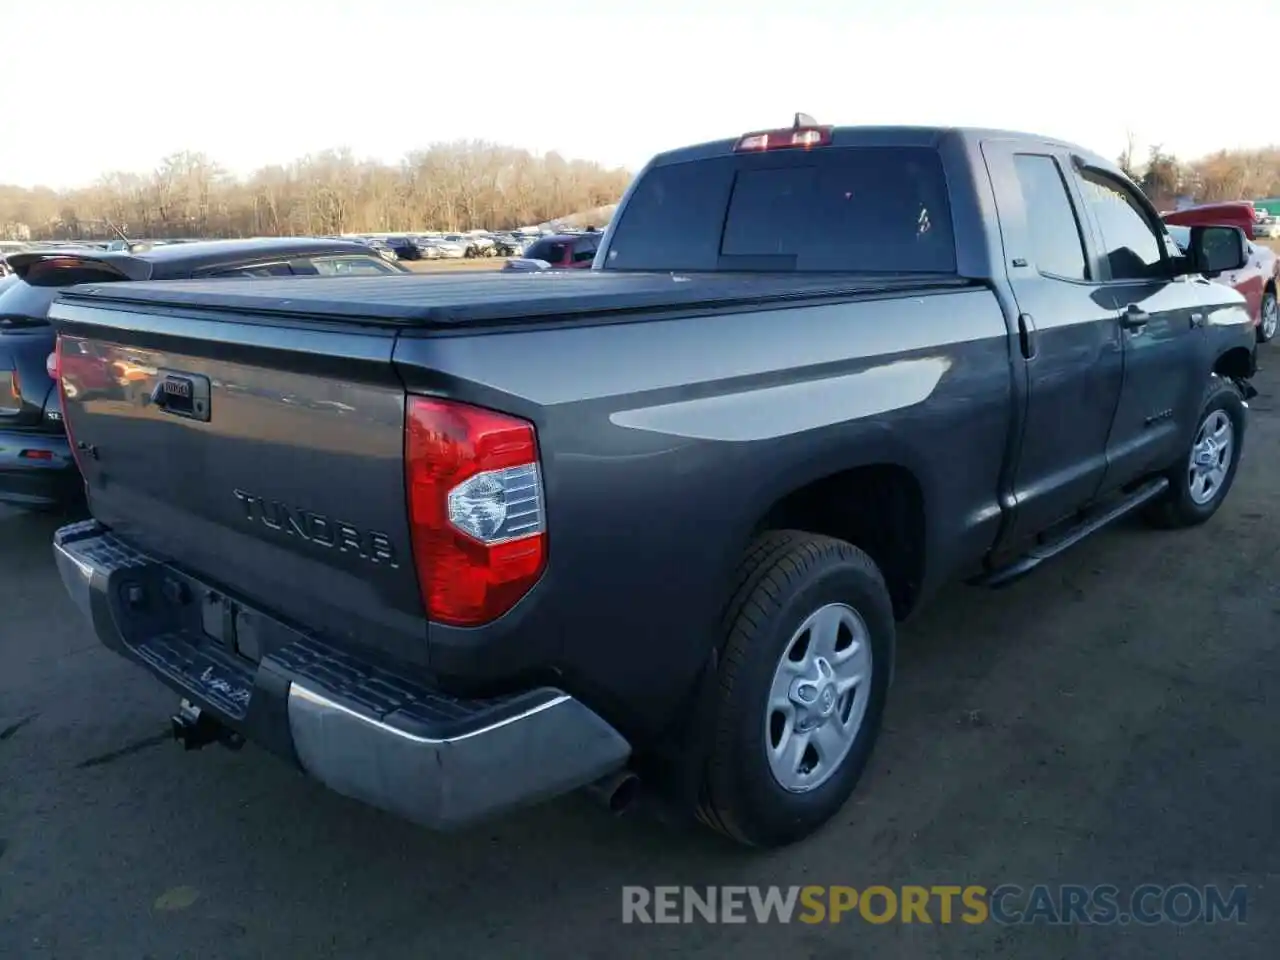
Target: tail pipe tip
pixel 616 792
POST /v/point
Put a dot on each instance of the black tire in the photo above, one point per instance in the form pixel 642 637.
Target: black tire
pixel 785 576
pixel 1176 508
pixel 1269 303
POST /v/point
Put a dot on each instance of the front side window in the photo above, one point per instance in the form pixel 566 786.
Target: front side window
pixel 1133 248
pixel 1051 220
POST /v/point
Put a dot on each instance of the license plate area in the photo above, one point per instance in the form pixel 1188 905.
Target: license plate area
pixel 228 624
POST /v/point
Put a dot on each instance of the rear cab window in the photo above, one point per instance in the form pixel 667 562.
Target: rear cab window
pixel 836 209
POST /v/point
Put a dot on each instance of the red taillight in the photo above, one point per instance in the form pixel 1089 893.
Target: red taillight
pixel 476 509
pixel 36 454
pixel 802 138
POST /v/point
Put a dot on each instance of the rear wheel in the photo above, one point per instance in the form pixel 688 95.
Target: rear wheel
pixel 1269 316
pixel 1201 479
pixel 803 675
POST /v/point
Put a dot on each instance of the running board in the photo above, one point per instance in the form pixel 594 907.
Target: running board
pixel 1003 576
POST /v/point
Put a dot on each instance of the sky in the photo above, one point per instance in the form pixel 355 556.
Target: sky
pixel 118 85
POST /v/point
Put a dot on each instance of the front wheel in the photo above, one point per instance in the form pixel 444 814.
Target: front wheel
pixel 803 675
pixel 1201 479
pixel 1268 317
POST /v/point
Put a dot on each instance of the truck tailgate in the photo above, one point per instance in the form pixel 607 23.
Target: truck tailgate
pixel 265 457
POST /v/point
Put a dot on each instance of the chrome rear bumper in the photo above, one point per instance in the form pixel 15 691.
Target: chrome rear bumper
pixel 385 738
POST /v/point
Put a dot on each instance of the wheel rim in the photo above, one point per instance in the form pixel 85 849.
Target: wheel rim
pixel 818 697
pixel 1211 457
pixel 1270 315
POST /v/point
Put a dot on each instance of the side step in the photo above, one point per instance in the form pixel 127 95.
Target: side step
pixel 1007 574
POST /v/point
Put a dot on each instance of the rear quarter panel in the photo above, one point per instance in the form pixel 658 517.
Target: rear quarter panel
pixel 664 442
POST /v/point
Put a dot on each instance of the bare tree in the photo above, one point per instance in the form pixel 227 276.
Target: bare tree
pixel 447 186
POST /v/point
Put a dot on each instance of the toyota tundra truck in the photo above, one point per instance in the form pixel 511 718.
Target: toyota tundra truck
pixel 452 545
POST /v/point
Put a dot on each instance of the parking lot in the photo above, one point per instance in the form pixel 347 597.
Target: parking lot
pixel 1109 720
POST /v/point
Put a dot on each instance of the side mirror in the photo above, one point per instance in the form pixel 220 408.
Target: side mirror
pixel 1216 250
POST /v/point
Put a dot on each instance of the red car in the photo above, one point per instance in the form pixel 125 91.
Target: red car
pixel 1258 280
pixel 1230 213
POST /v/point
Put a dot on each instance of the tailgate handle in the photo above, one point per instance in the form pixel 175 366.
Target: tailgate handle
pixel 182 395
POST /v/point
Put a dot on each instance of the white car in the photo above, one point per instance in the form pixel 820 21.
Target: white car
pixel 1267 228
pixel 453 247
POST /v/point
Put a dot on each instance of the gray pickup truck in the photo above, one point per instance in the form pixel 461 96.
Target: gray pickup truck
pixel 454 544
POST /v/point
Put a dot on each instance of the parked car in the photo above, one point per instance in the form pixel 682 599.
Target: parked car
pixel 569 251
pixel 1267 227
pixel 36 465
pixel 508 245
pixel 1235 213
pixel 428 249
pixel 1258 281
pixel 662 516
pixel 7 247
pixel 380 247
pixel 454 246
pixel 405 248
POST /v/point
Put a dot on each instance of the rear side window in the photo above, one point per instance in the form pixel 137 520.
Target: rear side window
pixel 256 270
pixel 352 266
pixel 1051 219
pixel 863 209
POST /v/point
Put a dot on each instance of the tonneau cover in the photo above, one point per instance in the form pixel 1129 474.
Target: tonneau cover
pixel 485 297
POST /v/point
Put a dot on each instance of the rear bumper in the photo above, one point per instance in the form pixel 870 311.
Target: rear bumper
pixel 37 469
pixel 363 730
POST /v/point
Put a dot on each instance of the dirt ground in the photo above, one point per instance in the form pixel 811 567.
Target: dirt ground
pixel 1111 719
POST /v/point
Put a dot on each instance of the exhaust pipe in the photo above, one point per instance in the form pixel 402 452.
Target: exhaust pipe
pixel 616 792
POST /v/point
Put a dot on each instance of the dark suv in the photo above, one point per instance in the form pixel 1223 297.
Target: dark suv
pixel 36 466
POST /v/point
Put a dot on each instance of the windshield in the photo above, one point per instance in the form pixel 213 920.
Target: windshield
pixel 864 209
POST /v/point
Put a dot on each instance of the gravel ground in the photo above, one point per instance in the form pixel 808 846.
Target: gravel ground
pixel 1104 721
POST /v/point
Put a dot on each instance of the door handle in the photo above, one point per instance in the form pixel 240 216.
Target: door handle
pixel 1134 317
pixel 1027 336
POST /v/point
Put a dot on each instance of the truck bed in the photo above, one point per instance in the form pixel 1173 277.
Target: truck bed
pixel 492 297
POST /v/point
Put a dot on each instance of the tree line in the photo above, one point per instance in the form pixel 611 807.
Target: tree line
pixel 1225 175
pixel 449 187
